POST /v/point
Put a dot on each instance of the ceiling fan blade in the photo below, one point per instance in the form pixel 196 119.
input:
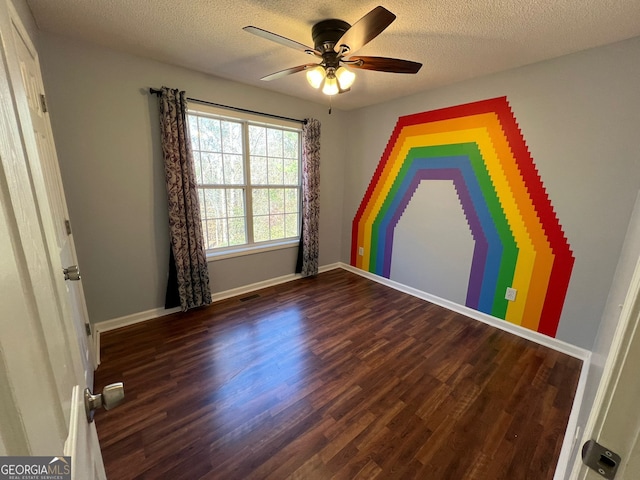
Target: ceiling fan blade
pixel 365 29
pixel 274 37
pixel 383 64
pixel 288 71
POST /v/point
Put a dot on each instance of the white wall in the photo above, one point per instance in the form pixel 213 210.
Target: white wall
pixel 106 129
pixel 580 117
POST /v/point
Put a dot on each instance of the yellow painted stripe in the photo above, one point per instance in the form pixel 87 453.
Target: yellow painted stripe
pixel 532 276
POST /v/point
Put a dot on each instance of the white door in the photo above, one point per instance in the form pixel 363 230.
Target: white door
pixel 43 371
pixel 60 241
pixel 615 419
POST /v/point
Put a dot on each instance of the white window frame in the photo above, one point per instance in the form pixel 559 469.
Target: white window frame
pixel 247 119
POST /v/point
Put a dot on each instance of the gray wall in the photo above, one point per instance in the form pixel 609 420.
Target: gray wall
pixel 580 117
pixel 106 129
pixel 578 114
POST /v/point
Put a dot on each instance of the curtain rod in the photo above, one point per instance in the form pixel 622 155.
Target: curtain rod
pixel 156 91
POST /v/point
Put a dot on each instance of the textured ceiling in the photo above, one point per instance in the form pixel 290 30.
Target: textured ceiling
pixel 454 39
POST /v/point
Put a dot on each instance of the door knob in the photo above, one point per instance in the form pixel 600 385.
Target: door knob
pixel 71 273
pixel 111 396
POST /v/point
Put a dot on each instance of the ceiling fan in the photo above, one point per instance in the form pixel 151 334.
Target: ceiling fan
pixel 334 42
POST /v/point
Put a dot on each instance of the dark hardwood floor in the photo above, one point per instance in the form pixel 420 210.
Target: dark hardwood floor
pixel 333 377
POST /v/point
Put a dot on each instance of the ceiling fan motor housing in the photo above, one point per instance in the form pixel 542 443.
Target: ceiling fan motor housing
pixel 326 33
pixel 334 40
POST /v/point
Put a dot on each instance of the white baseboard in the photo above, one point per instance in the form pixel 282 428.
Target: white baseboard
pixel 125 321
pixel 132 319
pixel 518 330
pixel 555 344
pixel 234 292
pixel 571 435
pixel 536 337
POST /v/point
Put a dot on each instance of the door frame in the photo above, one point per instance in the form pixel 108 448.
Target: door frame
pixel 51 187
pixel 41 365
pixel 626 336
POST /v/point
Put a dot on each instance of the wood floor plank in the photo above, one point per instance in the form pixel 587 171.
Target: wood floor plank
pixel 331 377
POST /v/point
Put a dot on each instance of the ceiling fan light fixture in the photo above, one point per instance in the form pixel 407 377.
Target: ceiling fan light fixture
pixel 330 85
pixel 334 41
pixel 315 76
pixel 345 77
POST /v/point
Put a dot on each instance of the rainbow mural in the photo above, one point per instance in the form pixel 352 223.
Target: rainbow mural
pixel 519 242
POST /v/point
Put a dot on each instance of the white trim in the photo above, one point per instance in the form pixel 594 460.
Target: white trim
pixel 572 433
pixel 125 321
pixel 522 332
pixel 250 249
pixel 620 344
pixel 234 292
pixel 96 348
pixel 202 109
pixel 570 436
pixel 553 343
pixel 134 318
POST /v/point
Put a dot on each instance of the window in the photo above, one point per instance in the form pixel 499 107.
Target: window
pixel 248 176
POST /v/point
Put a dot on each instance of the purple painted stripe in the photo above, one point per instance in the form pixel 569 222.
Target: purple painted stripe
pixel 481 244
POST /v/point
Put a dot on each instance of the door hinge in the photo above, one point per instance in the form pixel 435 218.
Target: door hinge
pixel 600 459
pixel 67 226
pixel 87 327
pixel 43 103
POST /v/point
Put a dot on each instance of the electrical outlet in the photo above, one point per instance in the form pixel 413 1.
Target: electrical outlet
pixel 511 294
pixel 361 251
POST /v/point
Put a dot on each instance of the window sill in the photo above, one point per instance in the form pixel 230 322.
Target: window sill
pixel 243 250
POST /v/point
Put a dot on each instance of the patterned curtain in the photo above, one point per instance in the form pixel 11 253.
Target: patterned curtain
pixel 308 250
pixel 187 245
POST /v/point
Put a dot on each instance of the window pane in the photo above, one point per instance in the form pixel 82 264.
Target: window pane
pixel 277 226
pixel 258 140
pixel 194 132
pixel 260 201
pixel 215 203
pixel 291 204
pixel 220 232
pixel 276 200
pixel 203 210
pixel 197 166
pixel 219 165
pixel 291 176
pixel 233 169
pixel 291 149
pixel 216 233
pixel 259 170
pixel 212 169
pixel 275 174
pixel 291 225
pixel 237 231
pixel 209 204
pixel 274 142
pixel 235 202
pixel 205 232
pixel 260 228
pixel 209 134
pixel 231 137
